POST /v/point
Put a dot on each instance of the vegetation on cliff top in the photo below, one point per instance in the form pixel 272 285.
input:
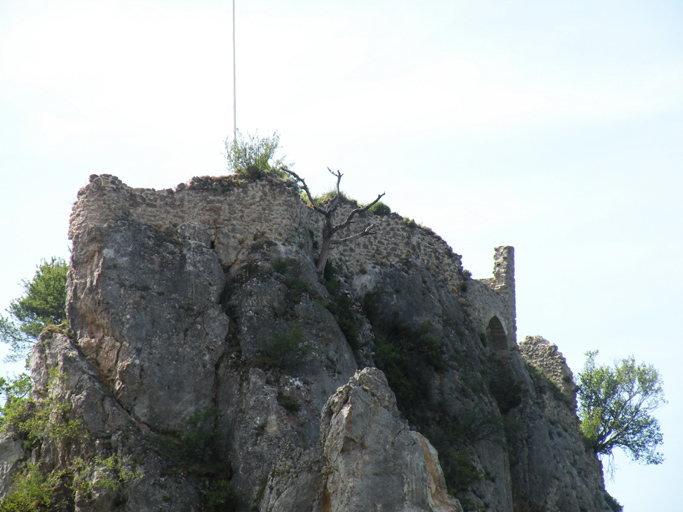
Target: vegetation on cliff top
pixel 252 153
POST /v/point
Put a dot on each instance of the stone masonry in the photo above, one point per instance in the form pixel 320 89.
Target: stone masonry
pixel 236 213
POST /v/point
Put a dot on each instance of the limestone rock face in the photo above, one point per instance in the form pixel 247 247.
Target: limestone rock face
pixel 145 307
pixel 207 366
pixel 373 460
pixel 65 378
pixel 551 471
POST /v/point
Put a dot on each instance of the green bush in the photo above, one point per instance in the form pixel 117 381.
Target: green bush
pixel 32 492
pixel 380 209
pixel 410 222
pixel 341 306
pixel 111 473
pixel 251 156
pixel 288 403
pixel 50 418
pixel 193 447
pixel 459 472
pixel 290 269
pixel 408 356
pixel 284 350
pixel 285 266
pixel 329 195
pixel 222 496
pixel 17 393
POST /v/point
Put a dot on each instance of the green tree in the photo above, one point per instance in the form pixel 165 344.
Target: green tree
pixel 251 154
pixel 616 406
pixel 43 304
pixel 17 392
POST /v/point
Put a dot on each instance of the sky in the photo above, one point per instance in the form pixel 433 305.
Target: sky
pixel 554 127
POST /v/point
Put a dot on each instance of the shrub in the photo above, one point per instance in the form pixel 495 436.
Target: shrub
pixel 96 474
pixel 252 155
pixel 459 472
pixel 17 393
pixel 193 447
pixel 407 356
pixel 284 350
pixel 32 492
pixel 410 222
pixel 49 418
pixel 222 496
pixel 326 197
pixel 288 403
pixel 380 209
pixel 341 306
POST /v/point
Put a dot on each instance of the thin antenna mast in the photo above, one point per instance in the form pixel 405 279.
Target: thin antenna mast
pixel 234 78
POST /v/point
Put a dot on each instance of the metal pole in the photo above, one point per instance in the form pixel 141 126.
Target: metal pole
pixel 234 77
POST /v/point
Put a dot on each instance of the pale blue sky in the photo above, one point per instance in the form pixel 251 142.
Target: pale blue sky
pixel 551 126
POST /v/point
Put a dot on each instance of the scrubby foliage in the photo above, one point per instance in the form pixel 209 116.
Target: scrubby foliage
pixel 616 406
pixel 252 154
pixel 36 421
pixel 37 488
pixel 194 444
pixel 342 306
pixel 380 209
pixel 329 196
pixel 408 356
pixel 16 391
pixel 284 350
pixel 33 492
pixel 43 304
pixel 222 496
pixel 111 472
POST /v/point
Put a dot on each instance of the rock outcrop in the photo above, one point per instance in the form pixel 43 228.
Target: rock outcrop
pixel 373 461
pixel 206 366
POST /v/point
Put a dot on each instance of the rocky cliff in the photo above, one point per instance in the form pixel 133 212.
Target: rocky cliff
pixel 206 366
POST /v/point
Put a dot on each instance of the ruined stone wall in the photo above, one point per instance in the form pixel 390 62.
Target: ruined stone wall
pixel 233 214
pixel 547 359
pixel 237 213
pixel 398 241
pixel 495 297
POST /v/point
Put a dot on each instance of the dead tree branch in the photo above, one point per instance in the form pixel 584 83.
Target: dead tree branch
pixel 327 210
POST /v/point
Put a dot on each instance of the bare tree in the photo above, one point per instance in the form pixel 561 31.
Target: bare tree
pixel 327 210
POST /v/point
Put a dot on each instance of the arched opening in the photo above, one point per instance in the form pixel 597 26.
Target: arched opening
pixel 495 334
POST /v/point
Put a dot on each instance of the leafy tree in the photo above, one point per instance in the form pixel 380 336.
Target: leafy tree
pixel 253 154
pixel 43 304
pixel 17 392
pixel 616 406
